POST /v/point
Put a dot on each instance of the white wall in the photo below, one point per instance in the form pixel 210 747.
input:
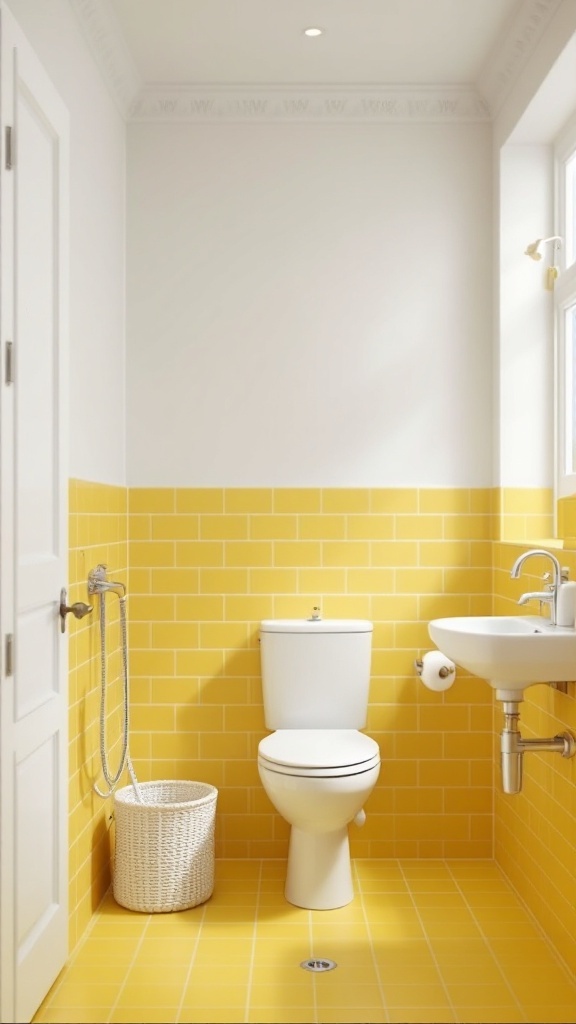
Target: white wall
pixel 309 305
pixel 97 218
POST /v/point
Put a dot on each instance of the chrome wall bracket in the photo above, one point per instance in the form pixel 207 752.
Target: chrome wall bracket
pixel 79 609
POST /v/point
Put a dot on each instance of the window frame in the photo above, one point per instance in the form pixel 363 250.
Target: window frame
pixel 564 300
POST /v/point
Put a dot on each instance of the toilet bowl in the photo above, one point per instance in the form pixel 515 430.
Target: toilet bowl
pixel 319 780
pixel 317 768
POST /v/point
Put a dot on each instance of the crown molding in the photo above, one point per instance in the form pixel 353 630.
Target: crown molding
pixel 325 104
pixel 354 103
pixel 104 37
pixel 514 49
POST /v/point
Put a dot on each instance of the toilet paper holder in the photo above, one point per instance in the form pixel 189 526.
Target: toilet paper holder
pixel 443 672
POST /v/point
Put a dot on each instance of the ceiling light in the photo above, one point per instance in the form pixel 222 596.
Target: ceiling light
pixel 312 31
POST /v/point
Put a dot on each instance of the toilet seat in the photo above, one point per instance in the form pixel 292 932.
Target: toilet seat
pixel 318 753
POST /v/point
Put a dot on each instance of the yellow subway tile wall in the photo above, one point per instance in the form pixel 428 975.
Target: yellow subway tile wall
pixel 206 565
pixel 535 830
pixel 97 535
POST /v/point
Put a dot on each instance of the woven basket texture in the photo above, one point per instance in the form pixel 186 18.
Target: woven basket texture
pixel 164 855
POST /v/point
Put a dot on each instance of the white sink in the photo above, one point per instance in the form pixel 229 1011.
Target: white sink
pixel 510 652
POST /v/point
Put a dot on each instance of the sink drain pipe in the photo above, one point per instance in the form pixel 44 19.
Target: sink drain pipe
pixel 513 747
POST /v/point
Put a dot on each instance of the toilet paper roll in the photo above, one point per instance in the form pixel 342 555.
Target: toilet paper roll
pixel 438 672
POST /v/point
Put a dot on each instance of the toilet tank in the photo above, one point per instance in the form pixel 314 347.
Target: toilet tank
pixel 315 672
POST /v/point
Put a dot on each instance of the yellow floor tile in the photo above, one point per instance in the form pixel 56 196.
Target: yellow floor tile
pixel 216 995
pixel 446 900
pixel 412 995
pixel 160 950
pixel 222 950
pixel 216 974
pixel 344 1015
pixel 114 926
pixel 550 1014
pixel 498 898
pixel 376 901
pixel 356 974
pixel 422 943
pixel 426 883
pixel 539 993
pixel 82 971
pixel 360 997
pixel 396 930
pixel 85 1015
pixel 281 951
pixel 479 970
pixel 384 913
pixel 227 913
pixel 283 970
pixel 281 995
pixel 84 995
pixel 163 973
pixel 495 928
pixel 106 950
pixel 409 973
pixel 450 927
pixel 490 1015
pixel 134 1015
pixel 410 1015
pixel 522 950
pixel 404 951
pixel 425 869
pixel 324 933
pixel 211 1015
pixel 489 994
pixel 150 994
pixel 479 885
pixel 383 885
pixel 282 1015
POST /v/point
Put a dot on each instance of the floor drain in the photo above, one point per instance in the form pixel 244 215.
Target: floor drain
pixel 318 965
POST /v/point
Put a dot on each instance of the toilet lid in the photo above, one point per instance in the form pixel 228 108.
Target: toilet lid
pixel 314 749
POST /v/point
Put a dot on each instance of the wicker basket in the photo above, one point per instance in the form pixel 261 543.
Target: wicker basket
pixel 164 857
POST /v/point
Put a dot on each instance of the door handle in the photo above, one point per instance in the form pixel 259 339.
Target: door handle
pixel 78 609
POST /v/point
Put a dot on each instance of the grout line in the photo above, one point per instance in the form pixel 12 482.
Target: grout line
pixel 128 969
pixel 313 954
pixel 486 941
pixel 430 946
pixel 253 952
pixel 192 961
pixel 366 916
pixel 550 945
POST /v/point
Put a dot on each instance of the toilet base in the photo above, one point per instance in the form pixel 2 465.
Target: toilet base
pixel 319 875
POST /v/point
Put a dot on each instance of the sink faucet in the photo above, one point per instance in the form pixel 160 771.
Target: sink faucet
pixel 551 594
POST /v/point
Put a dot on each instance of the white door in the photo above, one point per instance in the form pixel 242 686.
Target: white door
pixel 33 529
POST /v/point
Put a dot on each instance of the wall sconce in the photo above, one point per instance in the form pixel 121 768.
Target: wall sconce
pixel 533 251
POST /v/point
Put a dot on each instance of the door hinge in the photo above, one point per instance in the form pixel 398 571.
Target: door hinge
pixel 8 148
pixel 9 363
pixel 9 654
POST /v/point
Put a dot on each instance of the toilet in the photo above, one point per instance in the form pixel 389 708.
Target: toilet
pixel 316 767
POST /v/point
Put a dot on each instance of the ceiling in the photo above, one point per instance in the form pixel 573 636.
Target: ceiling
pixel 262 41
pixel 250 59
